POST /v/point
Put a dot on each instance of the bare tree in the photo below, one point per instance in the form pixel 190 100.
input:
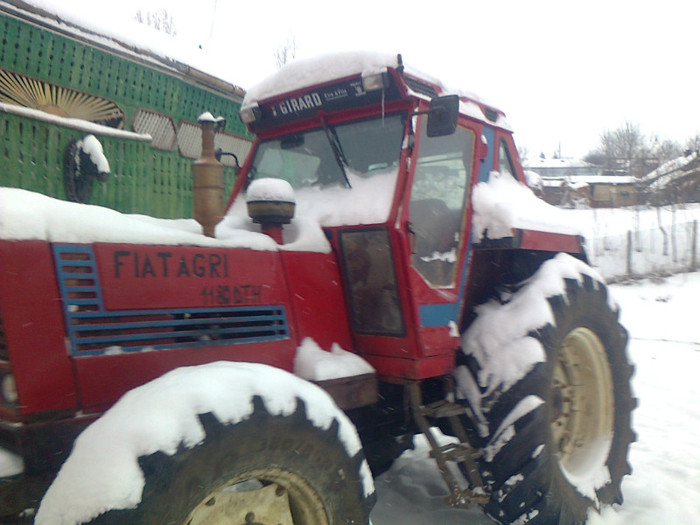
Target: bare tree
pixel 693 143
pixel 627 151
pixel 608 152
pixel 631 148
pixel 286 51
pixel 159 20
pixel 524 154
pixel 666 150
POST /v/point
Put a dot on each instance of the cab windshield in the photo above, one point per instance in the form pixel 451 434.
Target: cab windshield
pixel 332 156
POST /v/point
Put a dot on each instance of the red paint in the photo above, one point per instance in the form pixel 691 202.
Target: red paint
pixel 436 340
pixel 105 378
pixel 397 370
pixel 32 317
pixel 187 276
pixel 316 295
pixel 548 241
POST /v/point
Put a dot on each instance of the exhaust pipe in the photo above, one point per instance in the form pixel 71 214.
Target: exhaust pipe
pixel 208 178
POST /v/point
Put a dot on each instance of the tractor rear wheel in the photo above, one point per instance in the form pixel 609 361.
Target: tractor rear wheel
pixel 555 441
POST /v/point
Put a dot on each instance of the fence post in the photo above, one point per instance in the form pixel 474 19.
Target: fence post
pixel 629 252
pixel 694 247
pixel 674 252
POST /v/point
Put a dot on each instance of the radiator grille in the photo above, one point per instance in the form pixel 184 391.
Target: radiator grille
pixel 97 332
pixel 93 330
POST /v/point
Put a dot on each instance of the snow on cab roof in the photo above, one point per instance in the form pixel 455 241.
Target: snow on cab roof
pixel 305 73
pixel 310 72
pixel 129 39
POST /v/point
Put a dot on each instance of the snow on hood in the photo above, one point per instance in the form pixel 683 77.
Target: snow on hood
pixel 367 201
pixel 503 203
pixel 25 215
pixel 102 471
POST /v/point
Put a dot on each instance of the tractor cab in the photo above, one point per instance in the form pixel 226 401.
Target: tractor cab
pixel 383 163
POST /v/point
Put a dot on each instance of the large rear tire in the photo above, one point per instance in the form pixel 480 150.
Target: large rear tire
pixel 555 441
pixel 290 471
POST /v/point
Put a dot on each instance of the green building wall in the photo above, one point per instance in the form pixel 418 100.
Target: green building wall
pixel 143 179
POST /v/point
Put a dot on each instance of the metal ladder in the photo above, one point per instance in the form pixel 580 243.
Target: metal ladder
pixel 461 452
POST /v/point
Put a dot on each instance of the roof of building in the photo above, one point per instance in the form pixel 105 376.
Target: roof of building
pixel 147 51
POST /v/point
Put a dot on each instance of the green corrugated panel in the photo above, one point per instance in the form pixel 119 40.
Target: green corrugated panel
pixel 10 148
pixel 54 162
pixel 131 85
pixel 143 180
pixel 158 183
pixel 24 159
pixel 33 155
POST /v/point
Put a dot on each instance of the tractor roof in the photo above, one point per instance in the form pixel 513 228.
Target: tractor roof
pixel 300 75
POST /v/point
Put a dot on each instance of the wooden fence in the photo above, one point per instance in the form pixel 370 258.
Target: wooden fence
pixel 662 250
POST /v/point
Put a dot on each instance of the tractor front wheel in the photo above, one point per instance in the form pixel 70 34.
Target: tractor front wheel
pixel 267 469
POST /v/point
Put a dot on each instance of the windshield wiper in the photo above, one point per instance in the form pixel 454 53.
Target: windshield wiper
pixel 337 150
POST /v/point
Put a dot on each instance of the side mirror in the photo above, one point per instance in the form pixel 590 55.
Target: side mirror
pixel 442 115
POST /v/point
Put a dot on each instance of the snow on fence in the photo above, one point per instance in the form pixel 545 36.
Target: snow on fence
pixel 668 248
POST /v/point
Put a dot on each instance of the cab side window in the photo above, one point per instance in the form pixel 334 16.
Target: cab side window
pixel 505 164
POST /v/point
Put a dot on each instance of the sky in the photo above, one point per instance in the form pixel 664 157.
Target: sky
pixel 563 72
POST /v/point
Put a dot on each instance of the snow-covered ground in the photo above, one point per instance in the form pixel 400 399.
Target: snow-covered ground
pixel 664 487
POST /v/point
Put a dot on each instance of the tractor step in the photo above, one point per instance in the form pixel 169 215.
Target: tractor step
pixel 461 452
pixel 443 409
pixel 457 452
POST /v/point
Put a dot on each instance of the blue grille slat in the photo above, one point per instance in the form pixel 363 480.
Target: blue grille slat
pixel 189 311
pixel 83 302
pixel 177 322
pixel 193 327
pixel 145 336
pixel 83 289
pixel 75 262
pixel 177 345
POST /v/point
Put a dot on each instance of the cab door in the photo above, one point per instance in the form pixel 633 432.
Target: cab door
pixel 438 221
pixel 404 278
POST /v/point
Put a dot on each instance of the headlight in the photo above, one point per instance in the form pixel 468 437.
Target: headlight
pixel 376 81
pixel 250 114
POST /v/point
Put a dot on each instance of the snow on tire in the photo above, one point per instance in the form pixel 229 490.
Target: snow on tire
pixel 546 380
pixel 211 444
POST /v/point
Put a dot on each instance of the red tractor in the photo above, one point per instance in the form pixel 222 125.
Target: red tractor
pixel 365 250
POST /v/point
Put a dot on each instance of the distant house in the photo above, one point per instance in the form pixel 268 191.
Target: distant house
pixel 677 180
pixel 571 182
pixel 562 167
